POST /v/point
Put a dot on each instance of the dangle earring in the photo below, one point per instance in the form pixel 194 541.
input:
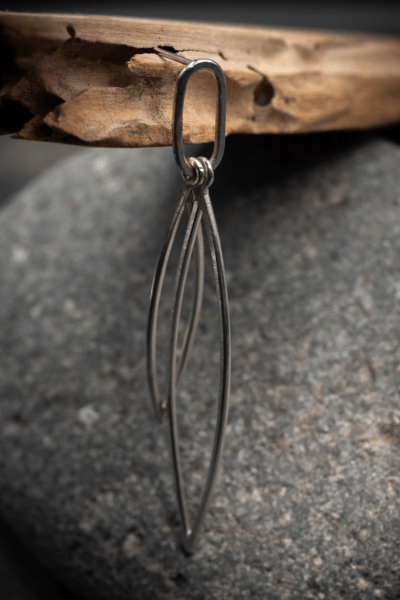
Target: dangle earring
pixel 198 175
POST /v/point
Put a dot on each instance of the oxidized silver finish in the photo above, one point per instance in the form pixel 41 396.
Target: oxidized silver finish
pixel 220 118
pixel 198 176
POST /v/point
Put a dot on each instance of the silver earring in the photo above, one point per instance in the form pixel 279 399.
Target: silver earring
pixel 198 175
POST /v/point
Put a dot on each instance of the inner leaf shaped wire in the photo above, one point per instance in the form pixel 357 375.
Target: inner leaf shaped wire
pixel 185 198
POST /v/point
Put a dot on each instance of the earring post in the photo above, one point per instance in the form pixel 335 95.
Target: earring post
pixel 172 56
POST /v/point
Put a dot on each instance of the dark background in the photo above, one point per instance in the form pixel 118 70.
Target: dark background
pixel 21 576
pixel 351 15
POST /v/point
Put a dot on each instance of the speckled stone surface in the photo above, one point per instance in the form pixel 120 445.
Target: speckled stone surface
pixel 308 500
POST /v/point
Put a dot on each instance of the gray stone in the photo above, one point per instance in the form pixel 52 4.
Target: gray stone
pixel 307 504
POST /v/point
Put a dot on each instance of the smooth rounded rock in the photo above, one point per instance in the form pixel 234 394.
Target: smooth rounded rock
pixel 307 503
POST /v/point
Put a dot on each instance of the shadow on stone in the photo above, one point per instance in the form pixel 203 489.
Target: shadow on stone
pixel 22 576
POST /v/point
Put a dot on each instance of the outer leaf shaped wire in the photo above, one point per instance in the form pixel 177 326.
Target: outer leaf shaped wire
pixel 201 207
pixel 190 534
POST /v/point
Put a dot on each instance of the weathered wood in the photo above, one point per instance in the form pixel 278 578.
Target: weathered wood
pixel 98 81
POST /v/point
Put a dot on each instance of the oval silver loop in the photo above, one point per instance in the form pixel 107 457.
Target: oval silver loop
pixel 220 118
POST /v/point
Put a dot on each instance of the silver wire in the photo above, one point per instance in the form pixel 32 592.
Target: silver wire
pixel 187 254
pixel 191 329
pixel 171 55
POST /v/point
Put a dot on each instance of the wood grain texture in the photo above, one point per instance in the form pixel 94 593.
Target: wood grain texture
pixel 98 81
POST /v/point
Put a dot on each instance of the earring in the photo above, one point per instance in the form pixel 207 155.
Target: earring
pixel 198 175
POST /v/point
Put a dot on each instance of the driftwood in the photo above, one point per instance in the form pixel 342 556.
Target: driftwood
pixel 98 81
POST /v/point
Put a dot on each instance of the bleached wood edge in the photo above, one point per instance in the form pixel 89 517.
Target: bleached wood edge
pixel 95 80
